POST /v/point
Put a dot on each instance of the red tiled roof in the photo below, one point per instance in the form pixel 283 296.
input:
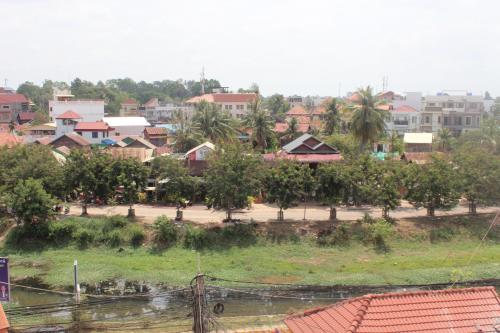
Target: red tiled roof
pixel 303 158
pixel 130 101
pixel 152 102
pixel 319 110
pixel 9 140
pixel 163 150
pixel 27 116
pixel 224 98
pixel 469 310
pixel 404 108
pixel 12 98
pixel 385 107
pixel 44 141
pixel 297 110
pixel 69 115
pixel 156 130
pixel 282 127
pixel 92 126
pixel 355 98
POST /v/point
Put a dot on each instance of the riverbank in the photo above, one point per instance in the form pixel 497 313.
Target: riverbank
pixel 414 256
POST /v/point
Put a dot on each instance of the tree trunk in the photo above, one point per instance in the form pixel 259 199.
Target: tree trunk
pixel 472 207
pixel 84 209
pixel 385 212
pixel 229 216
pixel 280 214
pixel 430 210
pixel 131 211
pixel 333 213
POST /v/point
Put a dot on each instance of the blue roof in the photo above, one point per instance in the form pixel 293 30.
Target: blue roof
pixel 108 142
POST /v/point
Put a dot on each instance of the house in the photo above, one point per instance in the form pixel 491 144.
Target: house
pixel 71 141
pixel 459 113
pixel 94 132
pixel 403 119
pixel 89 110
pixel 11 104
pixel 467 310
pixel 139 153
pixel 156 111
pixel 127 125
pixel 39 131
pixel 66 122
pixel 10 140
pixel 196 158
pixel 156 135
pixel 129 108
pixel 306 149
pixel 238 105
pixel 417 142
pixel 25 117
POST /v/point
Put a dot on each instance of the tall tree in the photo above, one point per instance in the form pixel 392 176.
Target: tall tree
pixel 445 139
pixel 212 123
pixel 260 123
pixel 277 105
pixel 433 186
pixel 332 117
pixel 368 119
pixel 233 175
pixel 386 186
pixel 332 186
pixel 284 184
pixel 132 178
pixel 185 135
pixel 80 178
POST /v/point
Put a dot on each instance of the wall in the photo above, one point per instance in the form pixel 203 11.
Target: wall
pixel 89 110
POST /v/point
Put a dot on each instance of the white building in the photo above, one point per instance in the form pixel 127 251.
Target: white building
pixel 403 119
pixel 156 111
pixel 66 122
pixel 88 110
pixel 238 105
pixel 95 131
pixel 127 125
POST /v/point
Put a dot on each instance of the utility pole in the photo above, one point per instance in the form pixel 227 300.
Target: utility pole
pixel 200 322
pixel 202 80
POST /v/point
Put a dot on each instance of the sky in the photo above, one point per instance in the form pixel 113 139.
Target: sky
pixel 311 47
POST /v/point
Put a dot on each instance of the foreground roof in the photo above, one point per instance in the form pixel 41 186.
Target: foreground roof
pixel 10 140
pixel 417 138
pixel 470 310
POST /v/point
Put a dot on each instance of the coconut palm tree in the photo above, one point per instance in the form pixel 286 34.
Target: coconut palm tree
pixel 259 120
pixel 445 138
pixel 213 123
pixel 332 117
pixel 368 118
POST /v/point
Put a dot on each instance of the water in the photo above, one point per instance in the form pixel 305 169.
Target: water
pixel 242 307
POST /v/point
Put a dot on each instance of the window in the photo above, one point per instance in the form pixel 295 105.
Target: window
pixel 5 106
pixel 468 121
pixel 228 107
pixel 450 105
pixel 473 105
pixel 439 119
pixel 413 120
pixel 446 120
pixel 432 104
pixel 458 120
pixel 427 119
pixel 95 135
pixel 240 107
pixel 460 105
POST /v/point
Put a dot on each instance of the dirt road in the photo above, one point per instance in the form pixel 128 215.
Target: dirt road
pixel 266 212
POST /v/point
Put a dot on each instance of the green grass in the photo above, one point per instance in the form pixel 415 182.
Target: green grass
pixel 408 262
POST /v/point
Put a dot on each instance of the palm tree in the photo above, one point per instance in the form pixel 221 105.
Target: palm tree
pixel 368 118
pixel 185 137
pixel 213 123
pixel 445 137
pixel 261 124
pixel 292 132
pixel 332 117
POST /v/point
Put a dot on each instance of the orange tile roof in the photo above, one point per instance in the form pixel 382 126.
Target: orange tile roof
pixel 297 110
pixel 404 108
pixel 224 98
pixel 7 98
pixel 319 110
pixel 156 130
pixel 10 140
pixel 92 126
pixel 130 101
pixel 69 115
pixel 469 310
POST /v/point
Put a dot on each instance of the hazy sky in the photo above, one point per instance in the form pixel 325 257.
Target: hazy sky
pixel 290 47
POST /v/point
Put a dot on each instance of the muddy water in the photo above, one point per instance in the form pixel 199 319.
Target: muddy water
pixel 30 308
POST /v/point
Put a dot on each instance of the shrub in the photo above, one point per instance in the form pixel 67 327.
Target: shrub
pixel 4 225
pixel 166 233
pixel 367 219
pixel 340 236
pixel 84 238
pixel 379 232
pixel 115 222
pixel 441 234
pixel 239 234
pixel 137 236
pixel 62 232
pixel 114 238
pixel 196 238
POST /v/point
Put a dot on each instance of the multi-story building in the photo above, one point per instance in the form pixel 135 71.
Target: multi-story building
pixel 404 111
pixel 11 105
pixel 129 108
pixel 156 111
pixel 238 105
pixel 89 110
pixel 459 113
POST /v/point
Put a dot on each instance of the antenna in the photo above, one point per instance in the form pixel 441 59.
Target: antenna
pixel 340 85
pixel 202 80
pixel 5 80
pixel 385 80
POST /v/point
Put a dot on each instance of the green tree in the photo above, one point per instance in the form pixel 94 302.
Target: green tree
pixel 445 139
pixel 233 175
pixel 479 173
pixel 80 178
pixel 332 186
pixel 31 206
pixel 368 120
pixel 332 117
pixel 185 136
pixel 284 184
pixel 133 177
pixel 212 123
pixel 261 124
pixel 277 105
pixel 433 186
pixel 386 186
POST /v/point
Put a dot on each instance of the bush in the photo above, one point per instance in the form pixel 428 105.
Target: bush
pixel 340 236
pixel 379 232
pixel 196 238
pixel 137 236
pixel 62 232
pixel 441 234
pixel 166 233
pixel 84 238
pixel 367 219
pixel 114 238
pixel 114 222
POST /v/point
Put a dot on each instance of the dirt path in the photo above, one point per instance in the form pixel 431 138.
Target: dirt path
pixel 266 212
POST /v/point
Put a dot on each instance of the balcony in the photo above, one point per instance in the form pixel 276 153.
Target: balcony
pixel 401 122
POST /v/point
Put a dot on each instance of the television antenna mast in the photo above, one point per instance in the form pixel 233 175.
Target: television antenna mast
pixel 202 80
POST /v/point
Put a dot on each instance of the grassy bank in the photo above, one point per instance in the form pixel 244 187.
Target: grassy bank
pixel 419 252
